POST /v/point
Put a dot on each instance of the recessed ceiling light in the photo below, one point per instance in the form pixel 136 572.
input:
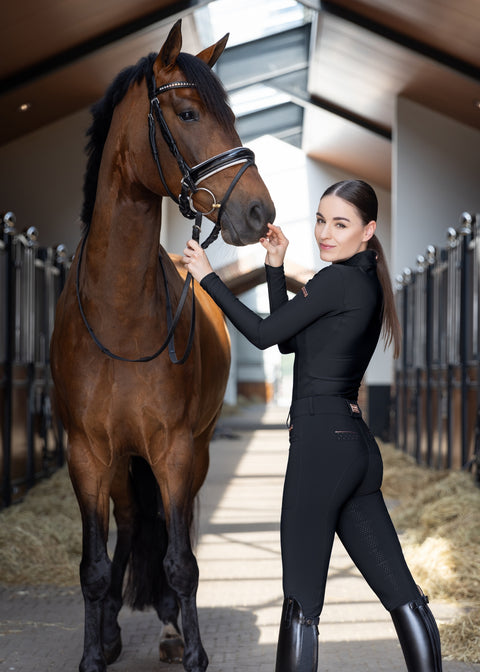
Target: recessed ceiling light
pixel 24 107
pixel 476 103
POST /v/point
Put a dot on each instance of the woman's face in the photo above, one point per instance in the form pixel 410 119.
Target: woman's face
pixel 339 230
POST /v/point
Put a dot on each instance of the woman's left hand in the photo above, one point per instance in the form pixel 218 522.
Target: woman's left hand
pixel 196 261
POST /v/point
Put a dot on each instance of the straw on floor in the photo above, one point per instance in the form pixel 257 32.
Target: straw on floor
pixel 438 520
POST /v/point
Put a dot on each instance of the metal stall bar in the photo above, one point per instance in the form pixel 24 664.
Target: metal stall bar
pixel 8 231
pixel 411 377
pixel 430 260
pixel 442 381
pixel 465 233
pixel 407 355
pixel 453 340
pixel 42 410
pixel 419 357
pixel 60 266
pixel 50 264
pixel 399 367
pixel 475 461
pixel 25 326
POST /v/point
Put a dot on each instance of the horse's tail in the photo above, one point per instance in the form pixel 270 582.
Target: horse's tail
pixel 146 577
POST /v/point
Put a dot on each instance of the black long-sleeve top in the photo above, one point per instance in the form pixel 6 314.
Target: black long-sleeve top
pixel 332 325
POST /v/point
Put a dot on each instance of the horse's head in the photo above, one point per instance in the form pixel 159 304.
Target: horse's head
pixel 189 149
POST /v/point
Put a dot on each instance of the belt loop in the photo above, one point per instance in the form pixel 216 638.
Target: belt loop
pixel 310 406
pixel 354 409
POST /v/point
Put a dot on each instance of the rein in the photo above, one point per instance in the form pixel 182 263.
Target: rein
pixel 172 321
pixel 191 177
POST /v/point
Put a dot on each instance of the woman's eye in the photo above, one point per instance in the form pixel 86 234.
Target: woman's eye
pixel 189 115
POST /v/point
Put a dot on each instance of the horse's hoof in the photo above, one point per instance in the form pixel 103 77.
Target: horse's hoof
pixel 111 650
pixel 171 650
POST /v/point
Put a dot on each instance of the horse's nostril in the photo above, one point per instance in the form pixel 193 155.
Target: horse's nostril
pixel 256 218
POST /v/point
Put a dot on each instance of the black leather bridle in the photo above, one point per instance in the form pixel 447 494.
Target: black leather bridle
pixel 191 178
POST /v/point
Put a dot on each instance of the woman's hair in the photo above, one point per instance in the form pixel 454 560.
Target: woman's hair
pixel 363 198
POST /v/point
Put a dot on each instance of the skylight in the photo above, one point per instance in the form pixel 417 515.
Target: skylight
pixel 255 98
pixel 252 19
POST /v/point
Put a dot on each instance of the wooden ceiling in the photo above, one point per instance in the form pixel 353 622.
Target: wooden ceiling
pixel 367 53
pixel 59 56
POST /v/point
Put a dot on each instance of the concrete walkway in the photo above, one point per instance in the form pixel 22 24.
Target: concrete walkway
pixel 239 598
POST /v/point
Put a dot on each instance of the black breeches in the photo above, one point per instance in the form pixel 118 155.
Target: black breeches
pixel 332 485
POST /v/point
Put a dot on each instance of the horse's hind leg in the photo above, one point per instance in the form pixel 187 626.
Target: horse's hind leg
pixel 90 482
pixel 124 517
pixel 147 584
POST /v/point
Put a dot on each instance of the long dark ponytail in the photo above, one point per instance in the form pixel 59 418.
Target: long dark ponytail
pixel 361 195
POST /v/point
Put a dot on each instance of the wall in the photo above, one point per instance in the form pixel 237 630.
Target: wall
pixel 436 168
pixel 41 179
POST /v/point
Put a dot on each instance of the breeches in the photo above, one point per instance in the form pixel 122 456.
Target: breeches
pixel 332 484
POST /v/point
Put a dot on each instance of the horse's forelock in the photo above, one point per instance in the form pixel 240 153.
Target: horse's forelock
pixel 210 89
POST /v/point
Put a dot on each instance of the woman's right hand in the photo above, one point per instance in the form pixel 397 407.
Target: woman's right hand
pixel 276 245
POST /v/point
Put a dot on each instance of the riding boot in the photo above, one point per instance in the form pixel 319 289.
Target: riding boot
pixel 418 634
pixel 297 649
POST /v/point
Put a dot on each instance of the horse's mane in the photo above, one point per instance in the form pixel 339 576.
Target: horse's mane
pixel 210 90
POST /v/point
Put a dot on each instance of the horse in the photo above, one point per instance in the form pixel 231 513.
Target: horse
pixel 139 418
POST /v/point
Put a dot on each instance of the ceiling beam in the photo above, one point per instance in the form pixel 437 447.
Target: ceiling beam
pixel 69 56
pixel 458 64
pixel 295 88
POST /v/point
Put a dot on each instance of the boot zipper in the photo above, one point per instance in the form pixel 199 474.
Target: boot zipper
pixel 432 632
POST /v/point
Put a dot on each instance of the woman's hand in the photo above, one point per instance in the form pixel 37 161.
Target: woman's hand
pixel 196 261
pixel 276 245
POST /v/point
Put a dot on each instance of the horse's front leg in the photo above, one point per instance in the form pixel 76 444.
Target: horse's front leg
pixel 90 482
pixel 123 510
pixel 178 478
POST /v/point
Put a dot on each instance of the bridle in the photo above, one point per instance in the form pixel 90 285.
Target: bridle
pixel 191 178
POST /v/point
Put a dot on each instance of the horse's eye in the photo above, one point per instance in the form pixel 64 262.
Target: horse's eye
pixel 189 115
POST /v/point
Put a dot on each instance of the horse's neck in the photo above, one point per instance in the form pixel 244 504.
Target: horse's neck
pixel 121 259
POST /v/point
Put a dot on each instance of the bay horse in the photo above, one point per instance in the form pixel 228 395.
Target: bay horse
pixel 139 419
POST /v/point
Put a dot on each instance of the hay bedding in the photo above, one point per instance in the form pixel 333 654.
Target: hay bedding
pixel 437 516
pixel 41 537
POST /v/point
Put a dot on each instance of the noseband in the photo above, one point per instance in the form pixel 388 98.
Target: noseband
pixel 191 177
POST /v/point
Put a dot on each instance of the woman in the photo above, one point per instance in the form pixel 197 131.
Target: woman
pixel 334 471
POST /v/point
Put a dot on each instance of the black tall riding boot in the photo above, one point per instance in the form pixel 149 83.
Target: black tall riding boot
pixel 418 634
pixel 297 649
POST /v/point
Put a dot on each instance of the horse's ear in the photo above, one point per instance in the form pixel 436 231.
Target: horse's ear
pixel 171 47
pixel 211 54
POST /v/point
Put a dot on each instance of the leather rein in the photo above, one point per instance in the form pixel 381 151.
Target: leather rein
pixel 191 177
